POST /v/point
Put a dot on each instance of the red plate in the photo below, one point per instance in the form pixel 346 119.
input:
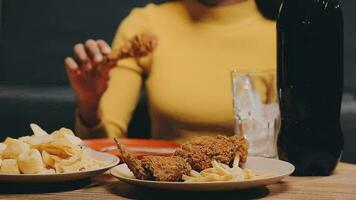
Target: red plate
pixel 142 147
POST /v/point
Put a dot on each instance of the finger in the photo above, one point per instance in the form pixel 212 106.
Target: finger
pixel 80 53
pixel 104 47
pixel 94 51
pixel 71 66
pixel 82 56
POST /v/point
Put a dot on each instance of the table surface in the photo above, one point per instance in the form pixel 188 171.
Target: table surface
pixel 341 185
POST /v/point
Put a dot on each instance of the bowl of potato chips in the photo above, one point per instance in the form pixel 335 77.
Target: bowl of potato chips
pixel 54 157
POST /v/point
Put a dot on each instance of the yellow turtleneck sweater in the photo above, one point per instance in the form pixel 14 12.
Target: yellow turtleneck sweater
pixel 188 75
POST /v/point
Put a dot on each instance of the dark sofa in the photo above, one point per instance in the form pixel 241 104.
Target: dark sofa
pixel 35 36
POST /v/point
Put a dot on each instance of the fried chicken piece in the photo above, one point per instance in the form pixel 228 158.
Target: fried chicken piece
pixel 161 168
pixel 139 46
pixel 201 151
pixel 156 168
pixel 134 164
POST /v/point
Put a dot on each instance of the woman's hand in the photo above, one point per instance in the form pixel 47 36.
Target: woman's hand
pixel 89 76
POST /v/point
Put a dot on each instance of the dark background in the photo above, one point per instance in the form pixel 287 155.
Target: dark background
pixel 36 35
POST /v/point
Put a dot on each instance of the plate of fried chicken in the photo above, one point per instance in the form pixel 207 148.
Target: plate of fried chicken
pixel 206 163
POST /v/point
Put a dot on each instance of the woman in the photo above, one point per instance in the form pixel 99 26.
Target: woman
pixel 187 76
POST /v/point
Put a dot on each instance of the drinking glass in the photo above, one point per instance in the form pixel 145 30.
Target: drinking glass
pixel 256 110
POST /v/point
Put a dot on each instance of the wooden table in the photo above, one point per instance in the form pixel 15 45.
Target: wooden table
pixel 341 185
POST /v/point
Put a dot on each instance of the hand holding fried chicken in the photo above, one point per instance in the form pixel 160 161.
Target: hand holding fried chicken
pixel 89 70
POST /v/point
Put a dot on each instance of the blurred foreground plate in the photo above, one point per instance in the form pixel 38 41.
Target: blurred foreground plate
pixel 257 164
pixel 50 178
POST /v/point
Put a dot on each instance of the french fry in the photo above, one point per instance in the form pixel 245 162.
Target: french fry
pixel 220 169
pixel 195 173
pixel 236 162
pixel 222 172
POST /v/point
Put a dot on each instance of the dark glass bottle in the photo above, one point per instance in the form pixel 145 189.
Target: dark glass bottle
pixel 310 84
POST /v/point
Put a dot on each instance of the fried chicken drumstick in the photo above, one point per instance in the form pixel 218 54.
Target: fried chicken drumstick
pixel 139 46
pixel 196 154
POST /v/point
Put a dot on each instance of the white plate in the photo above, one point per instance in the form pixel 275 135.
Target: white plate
pixel 42 178
pixel 258 164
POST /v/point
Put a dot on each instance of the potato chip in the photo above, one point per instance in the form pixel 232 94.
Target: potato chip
pixel 34 141
pixel 2 148
pixel 69 161
pixel 59 164
pixel 44 153
pixel 37 130
pixel 47 171
pixel 56 158
pixel 14 148
pixel 58 168
pixel 71 164
pixel 9 140
pixel 62 131
pixel 53 150
pixel 48 161
pixel 74 167
pixel 59 150
pixel 9 166
pixel 90 163
pixel 66 136
pixel 24 138
pixel 30 162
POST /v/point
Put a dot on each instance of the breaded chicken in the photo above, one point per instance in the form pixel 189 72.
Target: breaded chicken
pixel 201 151
pixel 139 46
pixel 156 168
pixel 196 154
pixel 161 168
